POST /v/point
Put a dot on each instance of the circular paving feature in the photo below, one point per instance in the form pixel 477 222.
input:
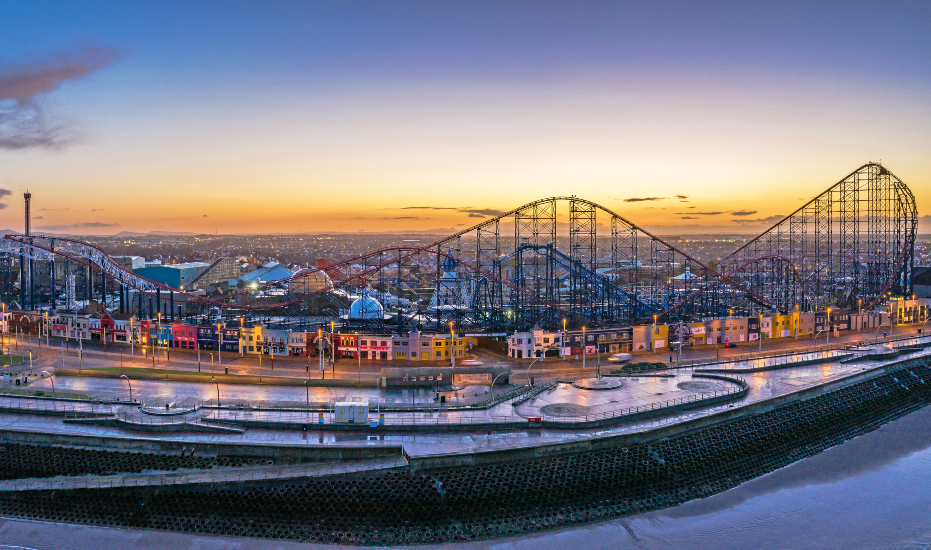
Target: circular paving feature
pixel 700 386
pixel 564 409
pixel 599 384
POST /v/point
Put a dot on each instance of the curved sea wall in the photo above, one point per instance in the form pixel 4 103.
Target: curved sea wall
pixel 418 505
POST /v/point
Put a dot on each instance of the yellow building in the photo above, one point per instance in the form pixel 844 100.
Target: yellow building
pixel 251 339
pixel 782 326
pixel 660 336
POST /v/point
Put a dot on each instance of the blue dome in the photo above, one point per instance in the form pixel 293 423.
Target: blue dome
pixel 366 307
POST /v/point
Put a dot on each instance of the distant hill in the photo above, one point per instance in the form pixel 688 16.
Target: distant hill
pixel 137 234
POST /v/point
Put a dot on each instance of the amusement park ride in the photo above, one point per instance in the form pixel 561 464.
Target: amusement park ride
pixel 853 242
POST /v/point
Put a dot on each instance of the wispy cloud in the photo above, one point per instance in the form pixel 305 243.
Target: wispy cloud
pixel 406 218
pixel 82 225
pixel 743 213
pixel 768 219
pixel 702 213
pixel 472 212
pixel 645 199
pixel 688 218
pixel 23 122
pixel 681 197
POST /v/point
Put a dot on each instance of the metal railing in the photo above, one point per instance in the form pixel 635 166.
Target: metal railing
pixel 465 418
pixel 21 405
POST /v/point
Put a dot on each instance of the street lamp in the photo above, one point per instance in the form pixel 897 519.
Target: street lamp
pixel 333 346
pixel 829 327
pixel 452 344
pixel 798 319
pixel 585 343
pixel 50 379
pixel 320 353
pixel 563 339
pixel 124 377
pixel 493 383
pixel 358 355
pixel 242 337
pixel 761 335
pixel 653 334
pixel 219 346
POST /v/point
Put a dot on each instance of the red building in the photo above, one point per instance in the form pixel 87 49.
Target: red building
pixel 184 336
pixel 347 345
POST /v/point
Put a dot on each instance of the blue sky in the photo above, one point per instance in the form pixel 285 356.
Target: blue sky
pixel 241 115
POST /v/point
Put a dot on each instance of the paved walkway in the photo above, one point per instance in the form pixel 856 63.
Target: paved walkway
pixel 762 386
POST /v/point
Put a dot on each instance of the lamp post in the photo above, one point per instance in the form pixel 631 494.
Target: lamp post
pixel 242 337
pixel 307 391
pixel 829 327
pixel 761 335
pixel 495 380
pixel 358 351
pixel 563 339
pixel 219 346
pixel 452 344
pixel 124 377
pixel 50 379
pixel 320 353
pixel 653 333
pixel 585 345
pixel 798 320
pixel 132 336
pixel 333 346
pixel 46 329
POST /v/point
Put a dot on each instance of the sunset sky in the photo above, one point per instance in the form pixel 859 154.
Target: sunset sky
pixel 266 117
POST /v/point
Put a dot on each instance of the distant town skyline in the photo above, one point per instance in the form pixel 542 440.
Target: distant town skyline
pixel 294 117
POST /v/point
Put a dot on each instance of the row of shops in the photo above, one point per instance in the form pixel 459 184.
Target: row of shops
pixel 255 340
pixel 538 343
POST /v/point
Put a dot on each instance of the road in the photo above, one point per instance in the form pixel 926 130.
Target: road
pixel 58 354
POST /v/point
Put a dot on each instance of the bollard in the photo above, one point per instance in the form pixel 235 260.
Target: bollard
pixel 319 418
pixel 381 419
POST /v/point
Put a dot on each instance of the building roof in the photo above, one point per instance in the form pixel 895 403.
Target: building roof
pixel 271 271
pixel 366 307
pixel 188 265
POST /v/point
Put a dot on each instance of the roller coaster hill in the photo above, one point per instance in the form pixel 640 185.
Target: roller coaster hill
pixel 549 262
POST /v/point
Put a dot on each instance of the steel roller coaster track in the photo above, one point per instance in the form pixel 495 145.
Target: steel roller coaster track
pixel 851 243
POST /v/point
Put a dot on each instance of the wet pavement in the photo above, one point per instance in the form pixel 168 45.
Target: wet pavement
pixel 762 386
pixel 871 492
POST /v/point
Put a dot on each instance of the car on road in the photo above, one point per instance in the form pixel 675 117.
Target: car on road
pixel 619 358
pixel 470 362
pixel 730 345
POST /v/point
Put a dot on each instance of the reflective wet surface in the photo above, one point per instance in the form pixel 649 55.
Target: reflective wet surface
pixel 871 492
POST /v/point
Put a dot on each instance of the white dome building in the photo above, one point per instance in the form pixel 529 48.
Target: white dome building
pixel 307 281
pixel 366 308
